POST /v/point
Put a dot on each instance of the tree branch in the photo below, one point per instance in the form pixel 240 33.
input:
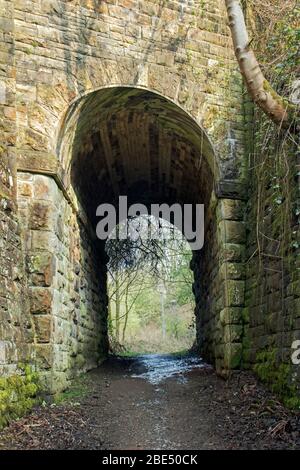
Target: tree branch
pixel 276 107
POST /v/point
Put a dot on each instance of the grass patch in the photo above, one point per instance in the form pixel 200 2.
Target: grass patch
pixel 129 353
pixel 76 392
pixel 179 354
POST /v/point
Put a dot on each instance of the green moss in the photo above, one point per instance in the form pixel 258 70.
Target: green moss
pixel 269 89
pixel 17 394
pixel 233 355
pixel 77 391
pixel 277 376
pixel 291 109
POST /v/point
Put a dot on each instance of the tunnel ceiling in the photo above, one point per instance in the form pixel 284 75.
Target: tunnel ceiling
pixel 133 142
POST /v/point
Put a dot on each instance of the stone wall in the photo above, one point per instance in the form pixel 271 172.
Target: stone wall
pixel 220 285
pixel 183 52
pixel 58 53
pixel 272 311
pixel 16 328
pixel 66 283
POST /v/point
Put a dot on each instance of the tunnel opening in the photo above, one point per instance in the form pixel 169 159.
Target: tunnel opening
pixel 150 297
pixel 125 141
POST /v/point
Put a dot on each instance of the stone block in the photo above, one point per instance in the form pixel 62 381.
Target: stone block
pixel 232 252
pixel 230 209
pixel 231 316
pixel 231 189
pixel 42 216
pixel 41 268
pixel 61 359
pixel 40 300
pixel 246 314
pixel 297 308
pixel 233 333
pixel 59 381
pixel 2 93
pixel 43 240
pixel 38 161
pixel 232 271
pixel 43 328
pixel 25 189
pixel 274 322
pixel 234 293
pixel 45 188
pixel 232 231
pixel 249 356
pixel 233 355
pixel 6 25
pixel 44 356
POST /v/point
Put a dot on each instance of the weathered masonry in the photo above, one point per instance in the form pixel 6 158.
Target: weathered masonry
pixel 122 97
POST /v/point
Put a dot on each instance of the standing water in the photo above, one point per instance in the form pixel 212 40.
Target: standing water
pixel 156 368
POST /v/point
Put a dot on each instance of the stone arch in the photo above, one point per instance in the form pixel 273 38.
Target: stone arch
pixel 67 125
pixel 55 103
pixel 124 141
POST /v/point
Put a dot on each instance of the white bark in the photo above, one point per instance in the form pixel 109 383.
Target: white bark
pixel 259 88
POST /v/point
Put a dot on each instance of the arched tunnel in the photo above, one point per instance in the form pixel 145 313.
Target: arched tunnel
pixel 132 142
pixel 125 141
pixel 129 141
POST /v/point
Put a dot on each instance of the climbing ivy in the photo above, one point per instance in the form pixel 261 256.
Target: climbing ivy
pixel 275 31
pixel 276 37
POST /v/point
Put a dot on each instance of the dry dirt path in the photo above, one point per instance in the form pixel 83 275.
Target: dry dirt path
pixel 158 402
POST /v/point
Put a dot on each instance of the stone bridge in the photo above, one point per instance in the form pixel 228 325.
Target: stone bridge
pixel 122 97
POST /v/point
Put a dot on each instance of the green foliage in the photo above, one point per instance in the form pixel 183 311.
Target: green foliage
pixel 148 285
pixel 144 328
pixel 17 394
pixel 147 304
pixel 289 48
pixel 278 377
pixel 182 279
pixel 276 43
pixel 277 36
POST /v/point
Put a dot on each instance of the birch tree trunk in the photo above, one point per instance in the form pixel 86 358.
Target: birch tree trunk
pixel 278 109
pixel 126 314
pixel 118 308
